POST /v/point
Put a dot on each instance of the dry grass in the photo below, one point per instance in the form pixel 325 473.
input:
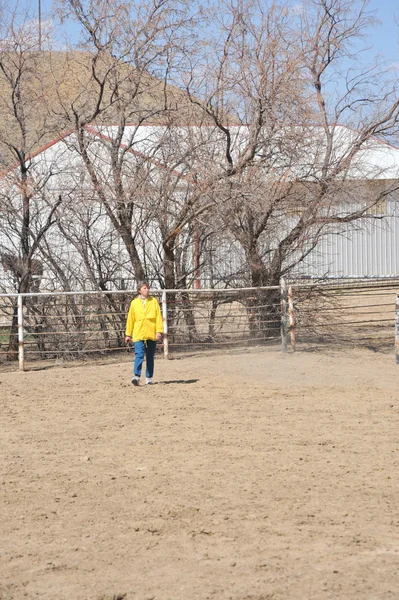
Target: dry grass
pixel 55 85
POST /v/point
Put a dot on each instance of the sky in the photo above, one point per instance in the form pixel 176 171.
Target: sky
pixel 383 40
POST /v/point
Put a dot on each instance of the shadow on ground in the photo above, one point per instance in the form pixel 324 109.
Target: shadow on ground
pixel 179 381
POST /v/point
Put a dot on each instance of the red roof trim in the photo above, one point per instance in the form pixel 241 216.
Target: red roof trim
pixel 155 162
pixel 39 151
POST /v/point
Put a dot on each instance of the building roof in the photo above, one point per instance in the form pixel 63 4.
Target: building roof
pixel 165 147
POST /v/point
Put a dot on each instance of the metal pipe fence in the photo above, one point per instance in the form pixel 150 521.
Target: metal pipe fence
pixel 356 314
pixel 70 325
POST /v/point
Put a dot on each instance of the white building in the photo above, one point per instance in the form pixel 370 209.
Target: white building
pixel 150 155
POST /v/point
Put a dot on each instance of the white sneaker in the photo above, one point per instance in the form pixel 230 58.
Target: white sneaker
pixel 148 380
pixel 136 380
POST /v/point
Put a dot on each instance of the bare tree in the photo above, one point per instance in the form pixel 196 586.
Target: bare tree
pixel 256 134
pixel 24 219
pixel 130 48
pixel 299 164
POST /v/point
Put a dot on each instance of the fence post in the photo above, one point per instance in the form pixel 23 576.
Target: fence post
pixel 165 325
pixel 283 294
pixel 291 316
pixel 21 333
pixel 397 329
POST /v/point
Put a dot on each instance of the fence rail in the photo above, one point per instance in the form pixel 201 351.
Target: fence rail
pixel 75 324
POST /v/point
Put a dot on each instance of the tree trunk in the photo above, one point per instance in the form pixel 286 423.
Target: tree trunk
pixel 12 351
pixel 263 306
pixel 170 284
pixel 133 255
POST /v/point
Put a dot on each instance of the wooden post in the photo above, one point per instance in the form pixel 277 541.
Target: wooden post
pixel 291 317
pixel 21 357
pixel 397 329
pixel 165 325
pixel 284 306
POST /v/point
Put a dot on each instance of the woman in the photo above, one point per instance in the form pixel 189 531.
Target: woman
pixel 144 326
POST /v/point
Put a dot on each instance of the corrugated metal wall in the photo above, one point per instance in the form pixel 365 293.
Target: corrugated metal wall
pixel 371 249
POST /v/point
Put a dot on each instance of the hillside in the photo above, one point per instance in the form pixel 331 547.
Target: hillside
pixel 43 94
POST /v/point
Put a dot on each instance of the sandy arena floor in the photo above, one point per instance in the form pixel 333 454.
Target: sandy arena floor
pixel 251 476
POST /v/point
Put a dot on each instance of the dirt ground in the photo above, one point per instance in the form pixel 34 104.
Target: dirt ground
pixel 242 476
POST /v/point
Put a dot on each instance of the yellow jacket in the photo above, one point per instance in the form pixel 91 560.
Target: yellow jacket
pixel 144 323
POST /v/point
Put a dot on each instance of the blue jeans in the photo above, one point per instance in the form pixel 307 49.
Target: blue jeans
pixel 144 348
